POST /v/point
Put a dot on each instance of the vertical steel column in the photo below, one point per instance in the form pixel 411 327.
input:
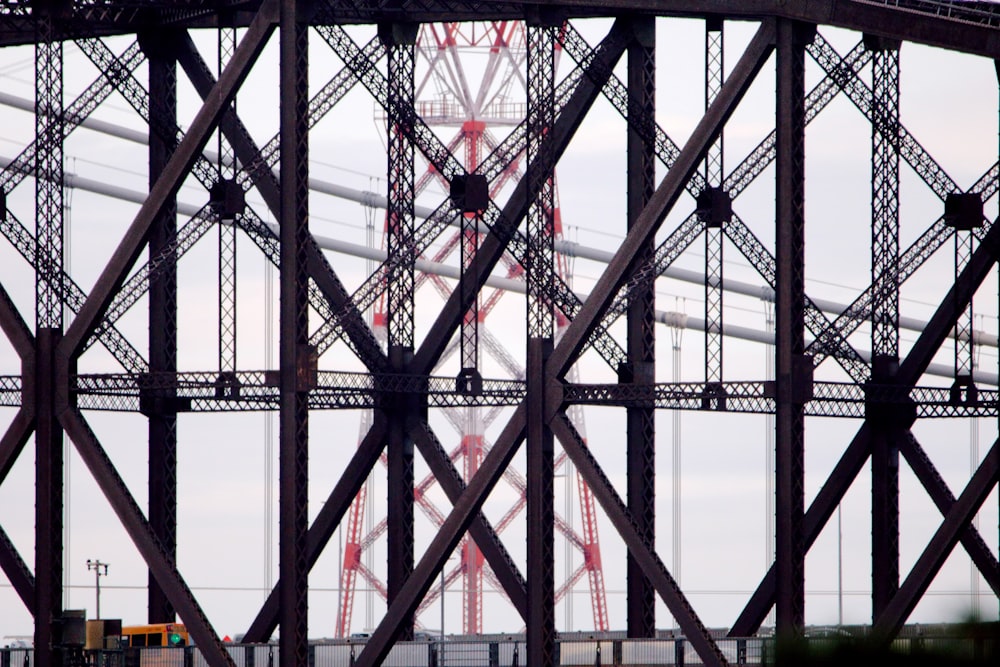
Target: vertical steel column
pixel 296 371
pixel 474 196
pixel 400 41
pixel 539 274
pixel 713 221
pixel 226 223
pixel 885 318
pixel 964 247
pixel 791 365
pixel 641 421
pixel 162 317
pixel 885 197
pixel 48 331
pixel 474 200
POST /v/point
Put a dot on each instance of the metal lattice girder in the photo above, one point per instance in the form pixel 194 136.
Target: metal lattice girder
pixel 964 361
pixel 672 247
pixel 181 161
pixel 503 230
pixel 46 607
pixel 73 115
pixel 254 392
pixel 885 201
pixel 539 265
pixel 399 42
pixel 829 399
pixel 662 200
pixel 714 57
pixel 400 116
pixel 885 318
pixel 246 391
pixel 868 101
pixel 326 286
pixel 49 135
pixel 120 348
pixel 226 168
pixel 12 390
pixel 539 261
pixel 158 560
pixel 958 26
pixel 854 457
pixel 326 293
pixel 932 239
pixel 558 292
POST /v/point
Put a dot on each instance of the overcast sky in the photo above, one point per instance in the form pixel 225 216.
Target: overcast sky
pixel 949 103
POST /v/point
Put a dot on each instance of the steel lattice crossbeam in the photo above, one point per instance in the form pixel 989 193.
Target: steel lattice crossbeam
pixel 506 205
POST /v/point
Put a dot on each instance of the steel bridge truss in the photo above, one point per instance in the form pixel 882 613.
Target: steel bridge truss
pixel 49 398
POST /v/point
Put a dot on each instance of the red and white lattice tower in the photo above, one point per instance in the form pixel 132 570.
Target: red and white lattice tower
pixel 452 93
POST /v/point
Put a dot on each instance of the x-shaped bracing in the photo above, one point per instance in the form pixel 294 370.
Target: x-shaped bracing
pixel 860 448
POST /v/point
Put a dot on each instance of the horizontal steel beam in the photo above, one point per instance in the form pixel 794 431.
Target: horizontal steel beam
pixel 947 25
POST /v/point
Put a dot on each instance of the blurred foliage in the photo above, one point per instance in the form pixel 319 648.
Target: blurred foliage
pixel 969 643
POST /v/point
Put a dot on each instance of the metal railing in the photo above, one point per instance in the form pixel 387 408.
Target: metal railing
pixel 511 651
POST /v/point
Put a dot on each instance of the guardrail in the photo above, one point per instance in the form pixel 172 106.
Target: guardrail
pixel 511 652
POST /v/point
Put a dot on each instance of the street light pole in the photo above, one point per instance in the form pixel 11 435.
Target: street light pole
pixel 96 566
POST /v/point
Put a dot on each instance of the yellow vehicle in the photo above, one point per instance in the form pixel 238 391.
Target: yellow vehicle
pixel 158 635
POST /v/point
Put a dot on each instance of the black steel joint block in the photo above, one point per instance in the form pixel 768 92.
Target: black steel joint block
pixel 964 391
pixel 626 372
pixel 162 406
pixel 714 206
pixel 887 403
pixel 714 397
pixel 469 382
pixel 963 210
pixel 227 199
pixel 543 16
pixel 470 193
pixel 59 9
pixel 876 43
pixel 802 378
pixel 392 33
pixel 227 385
pixel 158 401
pixel 307 374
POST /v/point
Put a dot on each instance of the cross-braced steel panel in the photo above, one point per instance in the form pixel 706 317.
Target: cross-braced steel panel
pixel 502 201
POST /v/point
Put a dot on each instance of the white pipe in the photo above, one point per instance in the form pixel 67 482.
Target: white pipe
pixel 376 200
